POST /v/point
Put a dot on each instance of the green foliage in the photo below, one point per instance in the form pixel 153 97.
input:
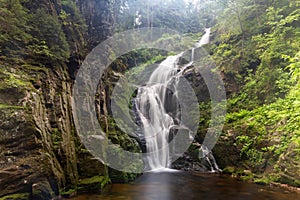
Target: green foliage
pixel 279 43
pixel 174 14
pixel 294 66
pixel 41 49
pixel 49 36
pixel 265 133
pixel 74 26
pixel 267 130
pixel 44 34
pixel 258 55
pixel 14 28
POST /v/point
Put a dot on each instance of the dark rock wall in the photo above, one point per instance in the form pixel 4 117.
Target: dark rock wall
pixel 40 153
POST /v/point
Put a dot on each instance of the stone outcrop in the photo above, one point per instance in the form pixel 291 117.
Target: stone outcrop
pixel 41 155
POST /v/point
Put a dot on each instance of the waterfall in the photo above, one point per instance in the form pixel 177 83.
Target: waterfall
pixel 207 155
pixel 157 107
pixel 192 54
pixel 150 102
pixel 204 39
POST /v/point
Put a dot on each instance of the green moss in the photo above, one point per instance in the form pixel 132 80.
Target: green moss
pixel 5 106
pixel 68 193
pixel 20 196
pixel 93 183
pixel 56 137
pixel 13 80
pixel 122 177
pixel 34 68
pixel 229 170
pixel 246 175
pixel 262 181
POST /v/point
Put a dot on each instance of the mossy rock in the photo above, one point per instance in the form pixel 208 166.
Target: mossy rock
pixel 20 196
pixel 69 193
pixel 261 181
pixel 93 183
pixel 290 180
pixel 194 151
pixel 6 106
pixel 245 175
pixel 121 177
pixel 42 190
pixel 229 170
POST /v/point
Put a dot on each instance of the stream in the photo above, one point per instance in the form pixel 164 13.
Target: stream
pixel 183 185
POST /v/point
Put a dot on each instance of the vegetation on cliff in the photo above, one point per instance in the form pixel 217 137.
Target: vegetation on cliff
pixel 42 44
pixel 259 58
pixel 255 44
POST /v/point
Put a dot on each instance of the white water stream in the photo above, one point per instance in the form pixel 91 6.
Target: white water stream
pixel 152 101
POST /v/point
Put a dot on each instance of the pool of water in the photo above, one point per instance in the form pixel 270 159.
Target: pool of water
pixel 183 185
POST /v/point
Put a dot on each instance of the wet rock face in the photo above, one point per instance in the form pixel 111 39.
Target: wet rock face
pixel 24 163
pixel 192 161
pixel 19 152
pixel 98 29
pixel 105 88
pixel 23 159
pixel 40 153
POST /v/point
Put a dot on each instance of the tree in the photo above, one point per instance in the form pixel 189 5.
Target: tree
pixel 49 43
pixel 99 19
pixel 74 27
pixel 275 47
pixel 14 28
pixel 173 14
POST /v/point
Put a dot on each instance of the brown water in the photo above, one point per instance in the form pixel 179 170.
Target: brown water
pixel 187 186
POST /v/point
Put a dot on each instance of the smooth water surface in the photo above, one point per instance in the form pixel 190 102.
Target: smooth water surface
pixel 187 186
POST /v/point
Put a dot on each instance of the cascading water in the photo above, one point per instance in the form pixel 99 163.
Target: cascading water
pixel 153 107
pixel 150 103
pixel 204 39
pixel 208 157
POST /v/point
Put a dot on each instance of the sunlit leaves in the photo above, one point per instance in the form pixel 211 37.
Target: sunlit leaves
pixel 294 66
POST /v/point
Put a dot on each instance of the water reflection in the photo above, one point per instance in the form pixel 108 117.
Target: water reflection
pixel 182 185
